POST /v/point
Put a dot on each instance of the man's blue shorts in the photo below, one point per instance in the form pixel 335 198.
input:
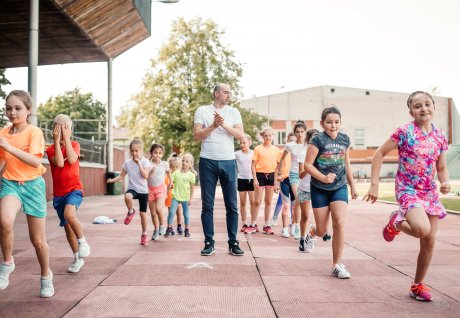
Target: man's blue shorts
pixel 72 198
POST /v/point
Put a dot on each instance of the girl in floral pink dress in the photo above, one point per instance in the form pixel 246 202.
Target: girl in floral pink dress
pixel 422 153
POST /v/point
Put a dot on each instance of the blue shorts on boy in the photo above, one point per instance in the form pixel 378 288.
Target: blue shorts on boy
pixel 72 198
pixel 31 194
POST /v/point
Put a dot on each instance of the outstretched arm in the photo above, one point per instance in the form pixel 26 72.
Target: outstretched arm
pixel 377 161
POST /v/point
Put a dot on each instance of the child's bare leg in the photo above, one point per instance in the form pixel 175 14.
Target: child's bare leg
pixel 153 213
pixel 259 194
pixel 143 221
pixel 243 213
pixel 9 208
pixel 304 214
pixel 37 237
pixel 268 203
pixel 426 250
pixel 416 224
pixel 71 219
pixel 159 207
pixel 338 210
pixel 129 201
pixel 71 238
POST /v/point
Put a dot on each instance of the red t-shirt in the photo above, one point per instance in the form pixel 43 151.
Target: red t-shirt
pixel 67 178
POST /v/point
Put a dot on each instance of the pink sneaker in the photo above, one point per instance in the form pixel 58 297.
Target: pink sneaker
pixel 129 217
pixel 268 230
pixel 389 231
pixel 420 292
pixel 144 240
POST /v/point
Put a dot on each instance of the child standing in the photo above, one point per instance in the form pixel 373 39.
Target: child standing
pixel 304 196
pixel 245 181
pixel 263 172
pixel 157 188
pixel 23 187
pixel 422 153
pixel 183 180
pixel 137 170
pixel 284 188
pixel 175 163
pixel 328 162
pixel 64 156
pixel 294 148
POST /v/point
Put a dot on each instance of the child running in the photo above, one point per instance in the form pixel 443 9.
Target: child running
pixel 245 181
pixel 157 188
pixel 263 172
pixel 23 187
pixel 304 196
pixel 279 203
pixel 63 156
pixel 283 187
pixel 294 148
pixel 183 180
pixel 137 169
pixel 328 162
pixel 422 154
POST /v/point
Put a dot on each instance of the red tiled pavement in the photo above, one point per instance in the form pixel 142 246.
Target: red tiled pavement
pixel 169 277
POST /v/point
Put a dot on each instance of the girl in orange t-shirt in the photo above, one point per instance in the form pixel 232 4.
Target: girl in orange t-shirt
pixel 23 187
pixel 263 171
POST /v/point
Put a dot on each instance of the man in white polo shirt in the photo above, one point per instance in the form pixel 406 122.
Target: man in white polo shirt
pixel 216 125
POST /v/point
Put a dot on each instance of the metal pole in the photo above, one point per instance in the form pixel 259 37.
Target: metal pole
pixel 109 118
pixel 268 111
pixel 33 57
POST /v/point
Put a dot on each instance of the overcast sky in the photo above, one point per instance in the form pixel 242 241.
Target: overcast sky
pixel 393 45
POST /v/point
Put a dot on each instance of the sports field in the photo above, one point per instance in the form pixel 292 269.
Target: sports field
pixel 387 193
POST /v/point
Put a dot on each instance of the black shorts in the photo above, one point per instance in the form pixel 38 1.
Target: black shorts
pixel 245 185
pixel 142 197
pixel 266 179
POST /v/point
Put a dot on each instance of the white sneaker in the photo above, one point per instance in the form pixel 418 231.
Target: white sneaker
pixel 285 232
pixel 76 265
pixel 297 231
pixel 340 271
pixel 274 222
pixel 46 286
pixel 5 271
pixel 309 243
pixel 162 230
pixel 155 235
pixel 83 249
pixel 292 229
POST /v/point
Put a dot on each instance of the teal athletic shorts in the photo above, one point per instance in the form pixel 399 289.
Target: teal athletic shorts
pixel 31 194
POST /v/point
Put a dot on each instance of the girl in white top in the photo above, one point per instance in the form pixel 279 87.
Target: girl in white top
pixel 304 197
pixel 137 170
pixel 157 187
pixel 245 179
pixel 294 148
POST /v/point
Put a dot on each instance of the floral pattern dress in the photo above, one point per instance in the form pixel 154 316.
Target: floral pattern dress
pixel 418 154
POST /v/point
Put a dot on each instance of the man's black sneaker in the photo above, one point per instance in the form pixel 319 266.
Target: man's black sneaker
pixel 327 237
pixel 208 249
pixel 301 246
pixel 234 249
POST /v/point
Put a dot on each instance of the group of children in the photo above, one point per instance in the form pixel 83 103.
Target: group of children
pixel 313 168
pixel 155 184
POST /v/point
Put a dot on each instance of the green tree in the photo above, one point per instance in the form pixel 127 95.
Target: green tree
pixel 80 107
pixel 180 80
pixel 3 81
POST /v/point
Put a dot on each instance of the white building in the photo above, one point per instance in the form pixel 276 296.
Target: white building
pixel 368 117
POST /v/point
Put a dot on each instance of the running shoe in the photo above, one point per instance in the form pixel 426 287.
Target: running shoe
pixel 340 271
pixel 268 229
pixel 129 217
pixel 389 231
pixel 144 240
pixel 420 292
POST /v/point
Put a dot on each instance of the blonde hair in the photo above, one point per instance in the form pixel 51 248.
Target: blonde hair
pixel 264 130
pixel 248 138
pixel 190 157
pixel 25 98
pixel 135 141
pixel 175 162
pixel 63 119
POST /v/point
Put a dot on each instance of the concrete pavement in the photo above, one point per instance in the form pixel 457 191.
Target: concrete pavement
pixel 169 277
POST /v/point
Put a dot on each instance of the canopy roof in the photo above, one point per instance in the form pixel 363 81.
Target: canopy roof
pixel 72 31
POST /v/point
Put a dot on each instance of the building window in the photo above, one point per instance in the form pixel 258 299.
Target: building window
pixel 359 137
pixel 281 138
